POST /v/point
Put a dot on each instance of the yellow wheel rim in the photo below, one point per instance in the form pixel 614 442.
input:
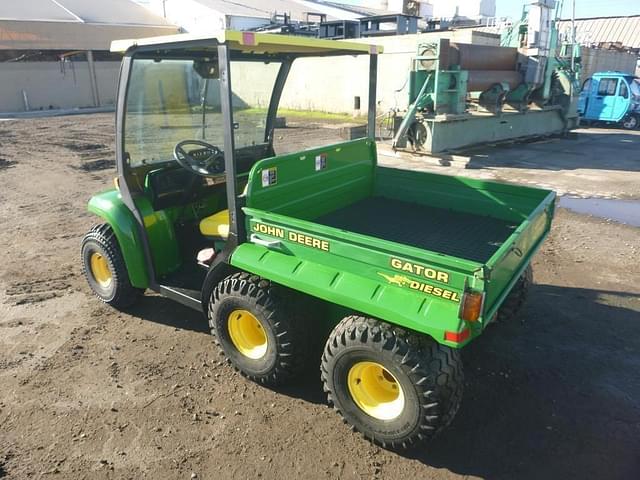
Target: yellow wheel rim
pixel 100 270
pixel 375 390
pixel 247 334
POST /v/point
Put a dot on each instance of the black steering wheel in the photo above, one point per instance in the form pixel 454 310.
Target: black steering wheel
pixel 204 161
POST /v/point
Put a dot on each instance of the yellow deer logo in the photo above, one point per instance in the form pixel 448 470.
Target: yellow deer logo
pixel 399 280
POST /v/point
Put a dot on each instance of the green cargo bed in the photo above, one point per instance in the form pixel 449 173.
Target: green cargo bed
pixel 464 235
pixel 403 246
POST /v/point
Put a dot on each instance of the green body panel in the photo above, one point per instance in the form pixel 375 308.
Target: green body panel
pixel 301 191
pixel 345 282
pixel 531 208
pixel 109 206
pixel 512 258
pixel 286 194
pixel 160 232
pixel 463 194
pixel 162 236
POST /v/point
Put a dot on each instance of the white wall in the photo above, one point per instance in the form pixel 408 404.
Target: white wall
pixel 324 84
pixel 55 85
pixel 245 23
pixel 464 8
pixel 330 84
pixel 194 17
pixel 331 11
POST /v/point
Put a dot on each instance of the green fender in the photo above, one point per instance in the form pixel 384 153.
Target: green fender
pixel 110 207
pixel 345 287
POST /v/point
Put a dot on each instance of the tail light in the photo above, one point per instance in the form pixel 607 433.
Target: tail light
pixel 471 306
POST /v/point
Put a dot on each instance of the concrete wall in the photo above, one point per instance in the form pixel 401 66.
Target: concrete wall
pixel 55 85
pixel 330 84
pixel 597 60
pixel 324 84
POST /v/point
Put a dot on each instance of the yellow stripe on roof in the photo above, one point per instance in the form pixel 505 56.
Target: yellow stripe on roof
pixel 254 43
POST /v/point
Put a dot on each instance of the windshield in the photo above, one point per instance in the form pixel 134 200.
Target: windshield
pixel 169 101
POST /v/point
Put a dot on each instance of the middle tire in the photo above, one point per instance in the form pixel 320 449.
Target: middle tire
pixel 257 329
pixel 512 305
pixel 395 387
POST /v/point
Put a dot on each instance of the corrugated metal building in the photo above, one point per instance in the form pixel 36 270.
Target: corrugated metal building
pixel 48 48
pixel 620 33
pixel 608 43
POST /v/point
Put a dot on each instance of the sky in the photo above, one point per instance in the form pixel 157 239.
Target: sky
pixel 584 8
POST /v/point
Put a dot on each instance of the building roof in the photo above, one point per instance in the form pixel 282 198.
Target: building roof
pixel 359 10
pixel 298 9
pixel 262 8
pixel 75 24
pixel 620 32
pixel 254 42
pixel 114 12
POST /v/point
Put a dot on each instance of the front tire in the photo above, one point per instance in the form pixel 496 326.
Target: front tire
pixel 105 270
pixel 395 387
pixel 256 327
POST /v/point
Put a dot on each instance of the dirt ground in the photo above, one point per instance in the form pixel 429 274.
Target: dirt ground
pixel 89 392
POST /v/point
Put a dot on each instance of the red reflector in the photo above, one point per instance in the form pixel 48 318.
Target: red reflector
pixel 248 38
pixel 457 337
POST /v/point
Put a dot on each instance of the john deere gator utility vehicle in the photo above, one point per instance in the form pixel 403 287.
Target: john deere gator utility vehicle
pixel 401 268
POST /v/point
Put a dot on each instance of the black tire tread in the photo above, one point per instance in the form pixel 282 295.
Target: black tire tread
pixel 293 341
pixel 125 294
pixel 512 305
pixel 443 367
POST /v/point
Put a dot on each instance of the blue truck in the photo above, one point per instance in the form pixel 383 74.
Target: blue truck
pixel 612 97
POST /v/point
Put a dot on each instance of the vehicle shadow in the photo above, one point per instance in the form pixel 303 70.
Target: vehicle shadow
pixel 597 149
pixel 557 396
pixel 553 395
pixel 164 311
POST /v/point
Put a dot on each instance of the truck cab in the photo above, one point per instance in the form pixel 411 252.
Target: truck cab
pixel 612 97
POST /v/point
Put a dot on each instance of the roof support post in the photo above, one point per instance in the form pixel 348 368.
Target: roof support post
pixel 237 233
pixel 281 79
pixel 93 79
pixel 373 86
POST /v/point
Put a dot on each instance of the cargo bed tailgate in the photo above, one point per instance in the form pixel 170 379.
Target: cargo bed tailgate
pixel 505 267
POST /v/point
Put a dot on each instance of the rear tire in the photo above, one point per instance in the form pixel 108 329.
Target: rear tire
pixel 512 305
pixel 254 323
pixel 105 270
pixel 630 122
pixel 395 387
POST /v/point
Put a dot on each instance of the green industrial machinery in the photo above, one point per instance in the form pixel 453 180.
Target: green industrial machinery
pixel 392 271
pixel 462 94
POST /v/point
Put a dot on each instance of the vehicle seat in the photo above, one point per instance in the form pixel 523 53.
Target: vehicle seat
pixel 216 225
